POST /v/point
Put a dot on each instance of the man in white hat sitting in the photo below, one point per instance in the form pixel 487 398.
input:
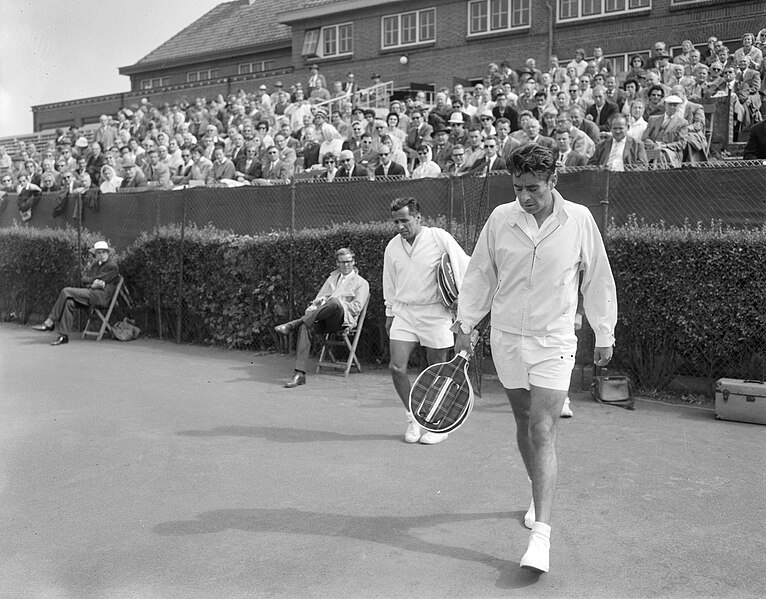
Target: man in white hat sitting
pixel 99 284
pixel 668 132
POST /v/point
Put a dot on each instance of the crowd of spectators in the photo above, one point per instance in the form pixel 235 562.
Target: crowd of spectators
pixel 584 111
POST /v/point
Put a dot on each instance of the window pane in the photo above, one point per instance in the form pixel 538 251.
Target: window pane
pixel 330 38
pixel 615 5
pixel 409 28
pixel 427 21
pixel 390 31
pixel 498 10
pixel 345 35
pixel 568 9
pixel 310 41
pixel 478 17
pixel 243 69
pixel 639 3
pixel 520 14
pixel 591 7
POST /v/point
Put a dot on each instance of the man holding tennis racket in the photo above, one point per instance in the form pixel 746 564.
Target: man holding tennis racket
pixel 415 314
pixel 525 271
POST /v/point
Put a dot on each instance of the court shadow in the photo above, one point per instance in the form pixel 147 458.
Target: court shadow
pixel 386 530
pixel 284 434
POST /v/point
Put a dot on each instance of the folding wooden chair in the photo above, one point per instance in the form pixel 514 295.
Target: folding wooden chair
pixel 105 326
pixel 349 337
pixel 709 124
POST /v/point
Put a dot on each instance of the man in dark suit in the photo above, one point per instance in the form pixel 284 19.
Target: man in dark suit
pixel 99 284
pixel 755 149
pixel 348 168
pixel 619 150
pixel 491 161
pixel 420 132
pixel 601 111
pixel 565 156
pixel 387 167
pixel 274 170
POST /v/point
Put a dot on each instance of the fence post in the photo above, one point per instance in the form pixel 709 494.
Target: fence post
pixel 79 237
pixel 292 246
pixel 179 304
pixel 451 207
pixel 605 206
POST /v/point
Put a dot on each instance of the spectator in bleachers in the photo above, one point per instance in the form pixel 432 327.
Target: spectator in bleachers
pixel 110 182
pixel 6 184
pixel 420 132
pixel 319 94
pixel 459 134
pixel 637 70
pixel 273 170
pixel 746 87
pixel 577 114
pixel 134 176
pixel 331 142
pixel 183 173
pixel 654 104
pixel 397 154
pixel 248 167
pixel 157 174
pixel 330 166
pixel 442 148
pixel 636 122
pixel 348 168
pixel 426 168
pixel 548 122
pixel 310 151
pixel 613 93
pixel 491 161
pixel 603 65
pixel 457 166
pixel 695 60
pixel 561 102
pixel 564 155
pixel 95 161
pixel 48 182
pixel 749 51
pixel 367 155
pixel 474 151
pixel 601 111
pixel 457 106
pixel 667 132
pixel 354 141
pixel 556 71
pixel 659 51
pixel 579 63
pixel 694 114
pixel 532 130
pixel 5 162
pixel 527 100
pixel 503 109
pixel 286 153
pixel 316 79
pixel 25 183
pixel 487 122
pixel 387 167
pixel 696 91
pixel 340 125
pixel 725 57
pixel 684 58
pixel 506 144
pixel 393 130
pixel 710 54
pixel 716 83
pixel 223 168
pixel 619 149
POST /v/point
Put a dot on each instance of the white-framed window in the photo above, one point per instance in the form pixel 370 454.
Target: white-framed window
pixel 328 42
pixel 259 66
pixel 408 28
pixel 194 76
pixel 573 10
pixel 154 83
pixel 675 3
pixel 494 16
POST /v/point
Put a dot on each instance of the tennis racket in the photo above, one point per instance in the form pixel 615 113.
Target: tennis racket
pixel 445 278
pixel 441 398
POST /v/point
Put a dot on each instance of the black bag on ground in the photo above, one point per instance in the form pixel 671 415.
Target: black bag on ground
pixel 612 388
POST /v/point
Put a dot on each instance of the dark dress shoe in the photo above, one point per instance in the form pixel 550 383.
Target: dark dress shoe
pixel 42 327
pixel 298 379
pixel 62 339
pixel 284 329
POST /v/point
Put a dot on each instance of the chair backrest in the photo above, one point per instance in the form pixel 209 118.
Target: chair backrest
pixel 709 123
pixel 362 315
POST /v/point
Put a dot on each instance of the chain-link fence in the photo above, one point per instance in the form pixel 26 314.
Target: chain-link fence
pixel 729 195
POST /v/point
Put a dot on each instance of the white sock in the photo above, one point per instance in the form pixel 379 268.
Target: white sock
pixel 542 529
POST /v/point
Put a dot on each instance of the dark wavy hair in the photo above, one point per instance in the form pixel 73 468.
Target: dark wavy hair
pixel 411 203
pixel 532 158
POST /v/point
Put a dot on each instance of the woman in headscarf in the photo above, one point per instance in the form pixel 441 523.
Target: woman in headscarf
pixel 427 168
pixel 331 140
pixel 110 182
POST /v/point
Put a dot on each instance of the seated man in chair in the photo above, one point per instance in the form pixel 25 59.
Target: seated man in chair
pixel 99 284
pixel 337 305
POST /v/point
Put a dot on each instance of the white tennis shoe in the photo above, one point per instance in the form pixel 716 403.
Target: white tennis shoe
pixel 430 438
pixel 414 433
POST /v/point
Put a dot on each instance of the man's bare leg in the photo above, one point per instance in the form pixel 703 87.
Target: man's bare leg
pixel 537 412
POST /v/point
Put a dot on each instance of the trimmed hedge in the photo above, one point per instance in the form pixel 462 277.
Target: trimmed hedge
pixel 237 288
pixel 35 264
pixel 692 300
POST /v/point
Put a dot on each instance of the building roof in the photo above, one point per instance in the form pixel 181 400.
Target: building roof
pixel 228 26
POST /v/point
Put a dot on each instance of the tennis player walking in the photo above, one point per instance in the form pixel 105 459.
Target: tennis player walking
pixel 415 313
pixel 525 271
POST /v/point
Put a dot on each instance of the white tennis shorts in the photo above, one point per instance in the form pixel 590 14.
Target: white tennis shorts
pixel 522 361
pixel 427 324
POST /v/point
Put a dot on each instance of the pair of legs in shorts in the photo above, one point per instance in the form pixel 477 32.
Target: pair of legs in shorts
pixel 535 372
pixel 426 325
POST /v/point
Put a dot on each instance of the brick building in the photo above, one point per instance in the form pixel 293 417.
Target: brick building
pixel 246 43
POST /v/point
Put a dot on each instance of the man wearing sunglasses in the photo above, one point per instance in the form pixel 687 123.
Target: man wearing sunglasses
pixel 337 305
pixel 348 167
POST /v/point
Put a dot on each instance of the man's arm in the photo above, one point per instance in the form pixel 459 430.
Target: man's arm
pixel 598 287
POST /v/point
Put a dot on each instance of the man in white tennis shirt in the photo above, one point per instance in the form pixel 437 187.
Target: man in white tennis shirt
pixel 415 313
pixel 525 271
